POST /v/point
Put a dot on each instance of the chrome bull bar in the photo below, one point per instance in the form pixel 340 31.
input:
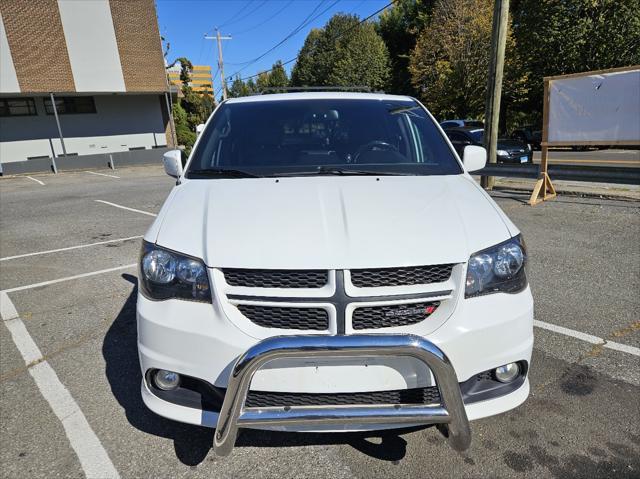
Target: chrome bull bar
pixel 234 414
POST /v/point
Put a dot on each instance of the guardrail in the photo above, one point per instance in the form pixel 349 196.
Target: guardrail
pixel 595 174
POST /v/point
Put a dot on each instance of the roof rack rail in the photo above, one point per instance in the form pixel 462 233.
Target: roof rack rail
pixel 289 89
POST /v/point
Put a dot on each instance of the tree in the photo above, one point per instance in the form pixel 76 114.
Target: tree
pixel 570 36
pixel 450 62
pixel 184 135
pixel 399 27
pixel 278 76
pixel 191 109
pixel 275 78
pixel 344 52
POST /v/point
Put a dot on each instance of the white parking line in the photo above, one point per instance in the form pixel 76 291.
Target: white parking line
pixel 94 460
pixel 117 240
pixel 126 208
pixel 36 180
pixel 102 174
pixel 588 338
pixel 68 278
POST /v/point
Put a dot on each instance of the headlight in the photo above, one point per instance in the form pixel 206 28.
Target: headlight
pixel 165 274
pixel 502 153
pixel 497 269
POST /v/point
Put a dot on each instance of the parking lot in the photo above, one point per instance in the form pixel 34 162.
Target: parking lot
pixel 70 402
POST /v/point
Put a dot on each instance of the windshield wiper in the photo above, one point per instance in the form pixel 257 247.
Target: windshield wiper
pixel 336 170
pixel 403 109
pixel 223 172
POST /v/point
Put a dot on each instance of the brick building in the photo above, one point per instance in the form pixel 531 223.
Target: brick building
pixel 97 65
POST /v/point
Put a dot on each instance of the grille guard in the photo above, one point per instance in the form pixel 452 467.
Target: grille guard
pixel 234 414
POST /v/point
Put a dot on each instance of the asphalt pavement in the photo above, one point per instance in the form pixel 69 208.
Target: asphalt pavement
pixel 70 403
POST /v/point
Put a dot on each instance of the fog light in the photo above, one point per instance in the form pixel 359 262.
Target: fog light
pixel 166 380
pixel 507 373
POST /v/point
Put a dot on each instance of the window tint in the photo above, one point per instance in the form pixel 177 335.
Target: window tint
pixel 17 107
pixel 456 136
pixel 71 104
pixel 294 135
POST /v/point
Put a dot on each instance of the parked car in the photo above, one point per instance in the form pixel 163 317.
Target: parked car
pixel 528 134
pixel 326 262
pixel 462 123
pixel 508 151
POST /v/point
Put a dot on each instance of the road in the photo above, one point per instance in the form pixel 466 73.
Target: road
pixel 624 158
pixel 69 376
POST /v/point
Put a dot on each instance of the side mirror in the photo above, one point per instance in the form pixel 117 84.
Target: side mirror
pixel 199 129
pixel 172 161
pixel 474 158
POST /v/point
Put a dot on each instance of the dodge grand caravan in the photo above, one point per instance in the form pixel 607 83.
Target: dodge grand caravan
pixel 325 262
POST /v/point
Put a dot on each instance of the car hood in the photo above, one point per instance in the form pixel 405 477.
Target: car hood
pixel 330 222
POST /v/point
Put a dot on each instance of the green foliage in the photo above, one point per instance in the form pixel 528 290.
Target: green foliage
pixel 343 53
pixel 549 37
pixel 399 27
pixel 278 76
pixel 191 109
pixel 449 65
pixel 184 135
pixel 186 67
pixel 570 36
pixel 275 78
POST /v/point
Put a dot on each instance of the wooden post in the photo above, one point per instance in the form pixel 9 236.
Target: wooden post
pixel 494 84
pixel 544 186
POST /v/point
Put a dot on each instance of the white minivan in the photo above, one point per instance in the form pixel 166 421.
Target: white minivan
pixel 325 262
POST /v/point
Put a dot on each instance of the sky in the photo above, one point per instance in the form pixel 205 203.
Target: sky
pixel 256 26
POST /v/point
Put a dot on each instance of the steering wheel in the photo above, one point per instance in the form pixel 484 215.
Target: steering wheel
pixel 373 145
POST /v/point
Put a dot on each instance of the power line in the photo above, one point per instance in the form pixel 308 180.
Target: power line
pixel 233 17
pixel 339 35
pixel 248 14
pixel 304 23
pixel 265 20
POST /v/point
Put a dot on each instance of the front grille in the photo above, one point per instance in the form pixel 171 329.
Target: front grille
pixel 373 278
pixel 276 278
pixel 316 319
pixel 373 317
pixel 427 395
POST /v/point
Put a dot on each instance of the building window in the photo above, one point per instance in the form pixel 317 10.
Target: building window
pixel 71 104
pixel 17 107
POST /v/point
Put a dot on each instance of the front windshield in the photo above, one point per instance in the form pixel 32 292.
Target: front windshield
pixel 298 137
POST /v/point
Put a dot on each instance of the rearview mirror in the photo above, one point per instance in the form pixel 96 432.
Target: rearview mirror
pixel 474 158
pixel 172 161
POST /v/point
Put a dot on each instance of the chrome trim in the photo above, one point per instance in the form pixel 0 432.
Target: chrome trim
pixel 234 414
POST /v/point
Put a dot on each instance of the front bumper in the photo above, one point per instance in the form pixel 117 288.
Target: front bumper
pixel 197 340
pixel 234 413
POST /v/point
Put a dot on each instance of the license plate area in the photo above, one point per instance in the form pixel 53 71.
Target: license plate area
pixel 338 375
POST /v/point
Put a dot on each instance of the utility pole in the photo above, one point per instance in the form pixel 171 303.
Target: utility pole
pixel 219 38
pixel 494 83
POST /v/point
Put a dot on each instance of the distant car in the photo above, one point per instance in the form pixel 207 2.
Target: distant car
pixel 509 151
pixel 528 134
pixel 461 123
